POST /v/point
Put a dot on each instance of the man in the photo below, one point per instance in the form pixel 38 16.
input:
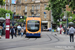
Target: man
pixel 71 33
pixel 15 27
pixel 12 31
pixel 64 29
pixel 19 29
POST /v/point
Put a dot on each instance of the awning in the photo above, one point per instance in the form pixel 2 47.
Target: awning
pixel 44 21
pixel 2 19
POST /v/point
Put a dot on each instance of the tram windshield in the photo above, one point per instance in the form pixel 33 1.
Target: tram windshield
pixel 33 25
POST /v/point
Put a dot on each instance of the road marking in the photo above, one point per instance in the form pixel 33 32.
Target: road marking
pixel 65 47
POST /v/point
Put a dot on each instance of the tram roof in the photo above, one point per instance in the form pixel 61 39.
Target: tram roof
pixel 33 16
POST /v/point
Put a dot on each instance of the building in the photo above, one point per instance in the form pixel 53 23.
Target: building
pixel 30 8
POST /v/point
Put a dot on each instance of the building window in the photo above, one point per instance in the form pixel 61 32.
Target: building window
pixel 14 8
pixel 32 14
pixel 19 8
pixel 45 6
pixel 32 0
pixel 19 1
pixel 26 8
pixel 37 14
pixel 8 7
pixel 25 0
pixel 38 7
pixel 45 15
pixel 37 0
pixel 32 7
pixel 8 1
pixel 26 15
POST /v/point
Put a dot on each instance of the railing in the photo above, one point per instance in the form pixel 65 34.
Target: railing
pixel 25 11
pixel 44 1
pixel 38 1
pixel 32 11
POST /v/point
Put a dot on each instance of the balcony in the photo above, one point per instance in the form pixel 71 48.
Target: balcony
pixel 37 1
pixel 18 2
pixel 32 11
pixel 7 3
pixel 25 11
pixel 44 1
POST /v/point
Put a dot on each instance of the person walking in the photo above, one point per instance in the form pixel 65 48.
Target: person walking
pixel 71 33
pixel 0 31
pixel 19 29
pixel 22 31
pixel 15 27
pixel 64 29
pixel 12 31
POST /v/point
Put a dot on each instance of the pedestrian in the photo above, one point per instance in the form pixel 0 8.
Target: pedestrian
pixel 12 31
pixel 58 30
pixel 19 29
pixel 0 31
pixel 67 30
pixel 64 29
pixel 71 33
pixel 22 31
pixel 15 27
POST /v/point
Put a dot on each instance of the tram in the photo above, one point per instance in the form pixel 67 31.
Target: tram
pixel 33 26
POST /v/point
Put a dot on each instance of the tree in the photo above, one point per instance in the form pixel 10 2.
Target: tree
pixel 56 7
pixel 22 20
pixel 2 2
pixel 3 13
pixel 72 4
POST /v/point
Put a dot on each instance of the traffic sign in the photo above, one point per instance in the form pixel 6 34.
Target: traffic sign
pixel 7 15
pixel 7 25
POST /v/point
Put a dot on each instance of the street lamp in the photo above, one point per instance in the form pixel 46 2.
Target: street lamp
pixel 66 19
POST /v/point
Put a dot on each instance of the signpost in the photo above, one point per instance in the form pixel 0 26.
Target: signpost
pixel 7 25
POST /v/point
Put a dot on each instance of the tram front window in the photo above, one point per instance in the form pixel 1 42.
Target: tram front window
pixel 33 25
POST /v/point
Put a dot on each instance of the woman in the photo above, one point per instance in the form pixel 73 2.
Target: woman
pixel 22 31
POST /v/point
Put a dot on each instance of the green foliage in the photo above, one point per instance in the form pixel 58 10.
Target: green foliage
pixel 72 5
pixel 22 20
pixel 17 14
pixel 3 13
pixel 1 2
pixel 68 15
pixel 56 7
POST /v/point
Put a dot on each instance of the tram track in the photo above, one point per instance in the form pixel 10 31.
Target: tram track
pixel 33 39
pixel 31 42
pixel 52 39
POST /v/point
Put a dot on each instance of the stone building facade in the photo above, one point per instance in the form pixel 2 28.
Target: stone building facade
pixel 31 8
